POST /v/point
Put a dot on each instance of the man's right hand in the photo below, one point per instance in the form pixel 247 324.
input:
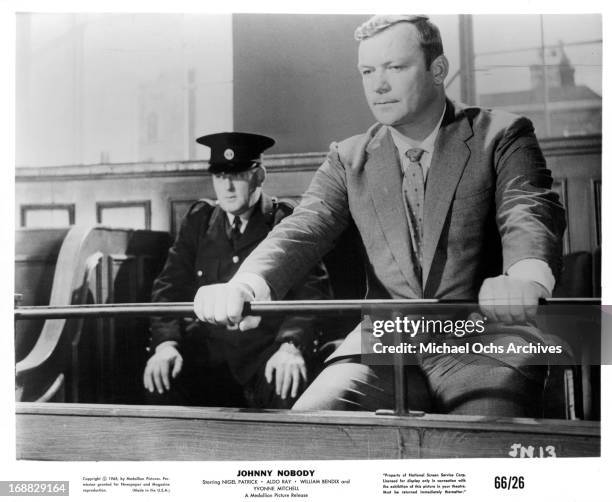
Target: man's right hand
pixel 165 363
pixel 223 304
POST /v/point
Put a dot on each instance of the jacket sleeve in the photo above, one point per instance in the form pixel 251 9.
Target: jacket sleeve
pixel 176 282
pixel 302 331
pixel 530 218
pixel 301 240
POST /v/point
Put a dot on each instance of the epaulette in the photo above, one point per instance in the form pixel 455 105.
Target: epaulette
pixel 286 204
pixel 282 208
pixel 199 204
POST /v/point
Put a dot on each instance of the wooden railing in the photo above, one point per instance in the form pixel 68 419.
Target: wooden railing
pixel 102 432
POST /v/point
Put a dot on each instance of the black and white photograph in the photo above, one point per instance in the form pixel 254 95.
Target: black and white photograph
pixel 306 255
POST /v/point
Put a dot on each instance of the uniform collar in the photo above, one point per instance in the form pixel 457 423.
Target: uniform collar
pixel 265 205
pixel 244 217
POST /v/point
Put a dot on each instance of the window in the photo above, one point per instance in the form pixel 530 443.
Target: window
pixel 546 67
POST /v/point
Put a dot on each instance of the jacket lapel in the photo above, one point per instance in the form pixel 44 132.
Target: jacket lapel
pixel 451 154
pixel 385 182
pixel 217 224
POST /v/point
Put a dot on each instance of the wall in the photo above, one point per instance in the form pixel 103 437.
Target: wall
pixel 170 188
pixel 165 188
pixel 296 79
pixel 89 86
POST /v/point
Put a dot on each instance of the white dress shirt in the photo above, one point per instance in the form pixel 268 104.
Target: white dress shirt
pixel 244 219
pixel 404 143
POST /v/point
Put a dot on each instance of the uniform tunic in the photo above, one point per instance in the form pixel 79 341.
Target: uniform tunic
pixel 204 254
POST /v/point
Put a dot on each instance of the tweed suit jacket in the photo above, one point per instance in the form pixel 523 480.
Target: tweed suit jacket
pixel 488 204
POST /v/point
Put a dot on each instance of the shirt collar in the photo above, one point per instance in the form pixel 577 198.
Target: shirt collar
pixel 244 217
pixel 404 143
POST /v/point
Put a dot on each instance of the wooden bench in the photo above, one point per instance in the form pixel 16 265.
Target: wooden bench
pixel 101 360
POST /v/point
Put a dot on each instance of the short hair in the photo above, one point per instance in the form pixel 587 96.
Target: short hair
pixel 427 32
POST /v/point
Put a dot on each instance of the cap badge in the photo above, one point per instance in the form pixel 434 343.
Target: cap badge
pixel 228 154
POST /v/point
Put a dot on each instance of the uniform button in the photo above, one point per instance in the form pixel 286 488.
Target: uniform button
pixel 200 273
pixel 235 259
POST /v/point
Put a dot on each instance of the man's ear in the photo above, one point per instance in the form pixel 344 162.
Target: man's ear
pixel 439 69
pixel 259 176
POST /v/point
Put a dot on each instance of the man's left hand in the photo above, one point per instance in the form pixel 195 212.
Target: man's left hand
pixel 288 368
pixel 508 300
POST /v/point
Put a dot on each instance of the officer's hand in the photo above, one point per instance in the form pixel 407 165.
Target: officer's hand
pixel 166 362
pixel 288 368
pixel 504 299
pixel 223 304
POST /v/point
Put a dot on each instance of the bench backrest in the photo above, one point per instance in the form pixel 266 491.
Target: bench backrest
pixel 36 253
pixel 97 360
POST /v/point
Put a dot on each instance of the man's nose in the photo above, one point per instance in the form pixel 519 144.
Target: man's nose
pixel 228 183
pixel 381 84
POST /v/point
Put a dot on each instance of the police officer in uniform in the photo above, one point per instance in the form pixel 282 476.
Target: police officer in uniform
pixel 207 365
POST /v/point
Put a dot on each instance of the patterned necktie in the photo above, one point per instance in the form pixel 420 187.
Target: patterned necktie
pixel 235 232
pixel 413 186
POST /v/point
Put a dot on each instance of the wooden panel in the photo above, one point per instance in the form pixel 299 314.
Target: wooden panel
pixel 178 209
pixel 596 208
pixel 47 215
pixel 439 443
pixel 129 276
pixel 580 214
pixel 560 187
pixel 131 214
pixel 119 438
pixel 88 432
pixel 578 164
